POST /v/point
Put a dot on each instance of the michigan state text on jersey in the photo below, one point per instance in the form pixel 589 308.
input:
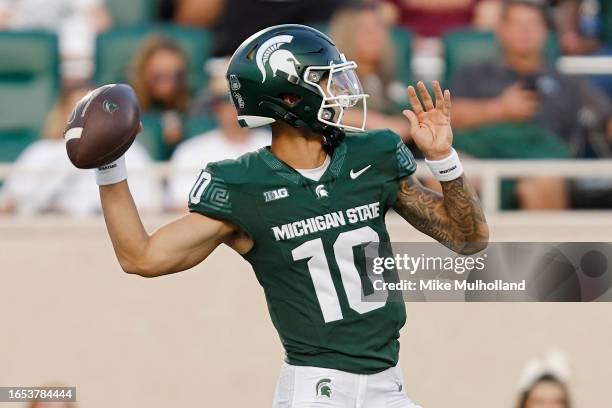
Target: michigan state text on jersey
pixel 304 243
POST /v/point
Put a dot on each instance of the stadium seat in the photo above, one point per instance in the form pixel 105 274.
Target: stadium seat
pixel 12 143
pixel 116 48
pixel 467 47
pixel 130 12
pixel 29 77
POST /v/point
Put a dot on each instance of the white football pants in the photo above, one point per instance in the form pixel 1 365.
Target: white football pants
pixel 314 387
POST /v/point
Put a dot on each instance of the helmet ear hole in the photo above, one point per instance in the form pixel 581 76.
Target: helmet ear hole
pixel 290 99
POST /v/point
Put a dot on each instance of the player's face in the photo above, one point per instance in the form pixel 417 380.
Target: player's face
pixel 547 395
pixel 522 31
pixel 165 73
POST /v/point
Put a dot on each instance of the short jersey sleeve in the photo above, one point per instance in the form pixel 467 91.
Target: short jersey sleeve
pixel 221 191
pixel 406 165
pixel 211 196
pixel 394 158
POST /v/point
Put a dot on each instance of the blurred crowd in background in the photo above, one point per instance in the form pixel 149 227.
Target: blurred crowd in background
pixel 499 59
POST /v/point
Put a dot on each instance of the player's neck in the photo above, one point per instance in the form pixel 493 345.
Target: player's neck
pixel 300 149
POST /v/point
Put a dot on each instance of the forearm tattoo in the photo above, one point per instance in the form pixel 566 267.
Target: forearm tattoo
pixel 453 218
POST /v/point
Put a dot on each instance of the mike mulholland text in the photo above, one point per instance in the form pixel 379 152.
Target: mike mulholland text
pixel 444 285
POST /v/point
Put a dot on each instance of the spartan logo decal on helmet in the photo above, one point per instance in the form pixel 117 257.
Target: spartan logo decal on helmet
pixel 279 59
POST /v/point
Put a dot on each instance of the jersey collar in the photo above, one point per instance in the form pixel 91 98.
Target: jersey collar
pixel 289 173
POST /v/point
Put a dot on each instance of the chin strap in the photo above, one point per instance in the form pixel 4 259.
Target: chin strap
pixel 332 136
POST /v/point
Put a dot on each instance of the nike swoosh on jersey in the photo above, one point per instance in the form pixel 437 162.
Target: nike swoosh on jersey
pixel 355 174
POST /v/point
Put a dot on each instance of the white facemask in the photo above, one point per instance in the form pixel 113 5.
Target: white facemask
pixel 342 92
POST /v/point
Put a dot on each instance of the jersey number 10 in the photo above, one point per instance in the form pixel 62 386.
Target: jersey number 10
pixel 318 266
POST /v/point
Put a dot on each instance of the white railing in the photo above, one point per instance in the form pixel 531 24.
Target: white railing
pixel 432 67
pixel 585 65
pixel 489 173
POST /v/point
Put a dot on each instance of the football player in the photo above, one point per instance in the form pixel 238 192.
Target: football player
pixel 298 210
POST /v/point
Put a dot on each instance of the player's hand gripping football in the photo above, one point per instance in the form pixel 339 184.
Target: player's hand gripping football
pixel 430 122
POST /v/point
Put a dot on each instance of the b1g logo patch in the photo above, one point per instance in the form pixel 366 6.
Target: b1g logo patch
pixel 275 194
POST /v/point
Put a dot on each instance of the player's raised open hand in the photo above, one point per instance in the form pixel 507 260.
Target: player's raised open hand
pixel 430 121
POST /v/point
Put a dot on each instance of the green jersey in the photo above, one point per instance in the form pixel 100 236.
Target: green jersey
pixel 308 236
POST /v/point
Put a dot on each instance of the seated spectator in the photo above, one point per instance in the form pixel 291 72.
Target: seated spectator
pixel 228 141
pixel 159 78
pixel 524 88
pixel 241 18
pixel 200 13
pixel 578 26
pixel 436 18
pixel 43 180
pixel 582 31
pixel 364 37
pixel 76 21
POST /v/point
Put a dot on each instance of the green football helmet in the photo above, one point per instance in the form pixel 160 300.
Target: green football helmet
pixel 303 63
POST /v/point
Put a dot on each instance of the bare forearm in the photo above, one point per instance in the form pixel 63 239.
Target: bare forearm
pixel 453 218
pixel 465 212
pixel 175 247
pixel 128 235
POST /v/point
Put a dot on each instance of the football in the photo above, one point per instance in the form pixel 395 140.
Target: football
pixel 102 126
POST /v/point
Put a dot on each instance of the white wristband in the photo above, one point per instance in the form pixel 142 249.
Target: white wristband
pixel 446 169
pixel 111 173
